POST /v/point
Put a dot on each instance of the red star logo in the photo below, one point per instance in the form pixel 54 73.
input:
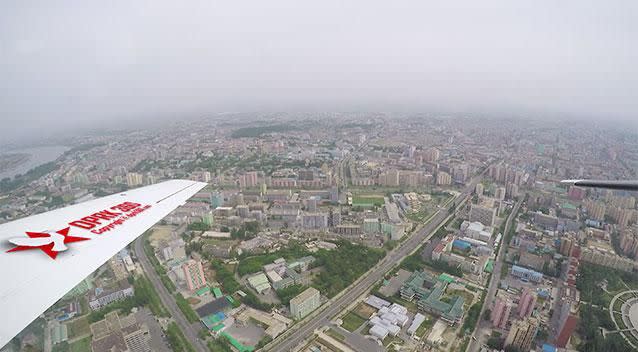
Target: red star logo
pixel 48 248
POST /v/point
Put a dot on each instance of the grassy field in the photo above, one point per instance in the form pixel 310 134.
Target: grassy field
pixel 390 339
pixel 367 199
pixel 363 310
pixel 81 345
pixel 467 297
pixel 419 216
pixel 425 326
pixel 352 322
pixel 78 327
pixel 334 334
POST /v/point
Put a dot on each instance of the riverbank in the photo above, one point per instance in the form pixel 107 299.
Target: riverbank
pixel 18 162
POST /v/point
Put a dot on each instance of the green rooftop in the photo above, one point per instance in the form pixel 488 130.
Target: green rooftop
pixel 217 292
pixel 490 266
pixel 237 344
pixel 428 292
pixel 446 278
pixel 202 291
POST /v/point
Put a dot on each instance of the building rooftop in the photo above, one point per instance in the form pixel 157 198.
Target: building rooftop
pixel 309 292
pixel 429 292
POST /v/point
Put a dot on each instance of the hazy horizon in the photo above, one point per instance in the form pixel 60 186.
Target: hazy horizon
pixel 68 65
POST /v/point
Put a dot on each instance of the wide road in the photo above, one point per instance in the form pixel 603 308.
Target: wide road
pixel 189 330
pixel 289 341
pixel 478 339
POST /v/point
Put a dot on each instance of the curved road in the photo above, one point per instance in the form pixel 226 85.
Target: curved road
pixel 289 341
pixel 189 330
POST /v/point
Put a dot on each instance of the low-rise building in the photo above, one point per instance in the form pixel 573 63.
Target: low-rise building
pixel 526 274
pixel 101 297
pixel 428 292
pixel 259 282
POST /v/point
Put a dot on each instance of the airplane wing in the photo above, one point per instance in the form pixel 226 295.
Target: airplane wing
pixel 619 185
pixel 34 278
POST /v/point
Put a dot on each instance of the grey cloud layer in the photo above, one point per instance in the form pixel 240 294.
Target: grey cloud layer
pixel 78 62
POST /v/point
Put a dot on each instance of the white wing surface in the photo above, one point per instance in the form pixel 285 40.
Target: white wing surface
pixel 34 278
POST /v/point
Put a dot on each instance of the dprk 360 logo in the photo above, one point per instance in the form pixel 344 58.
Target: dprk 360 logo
pixel 53 242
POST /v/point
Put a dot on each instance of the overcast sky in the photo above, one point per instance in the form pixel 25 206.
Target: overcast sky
pixel 64 63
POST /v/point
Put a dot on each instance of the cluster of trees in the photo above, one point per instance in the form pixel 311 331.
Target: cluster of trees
pixel 177 340
pixel 55 201
pixel 288 293
pixel 220 345
pixel 593 318
pixel 590 322
pixel 441 232
pixel 390 245
pixel 193 247
pixel 591 276
pixel 247 230
pixel 343 265
pixel 159 269
pixel 198 226
pixel 186 308
pixel 472 316
pixel 413 262
pixel 255 264
pixel 251 300
pixel 251 264
pixel 8 184
pixel 552 268
pixel 263 342
pixel 227 279
pixel 495 341
pixel 144 295
pixel 37 329
pixel 446 268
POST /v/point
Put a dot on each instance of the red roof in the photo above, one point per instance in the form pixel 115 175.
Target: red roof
pixel 566 331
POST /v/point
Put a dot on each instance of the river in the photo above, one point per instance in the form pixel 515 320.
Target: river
pixel 38 156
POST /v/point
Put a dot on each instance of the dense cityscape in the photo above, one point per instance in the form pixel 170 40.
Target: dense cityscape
pixel 350 232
